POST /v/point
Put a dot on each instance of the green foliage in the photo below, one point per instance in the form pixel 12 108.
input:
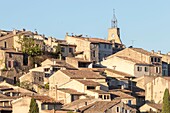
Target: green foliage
pixel 57 50
pixel 29 47
pixel 166 102
pixel 33 106
pixel 26 85
pixel 46 86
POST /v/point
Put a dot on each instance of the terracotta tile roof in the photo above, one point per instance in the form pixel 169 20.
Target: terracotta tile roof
pixel 70 91
pixel 80 59
pixel 167 78
pixel 81 74
pixel 89 83
pixel 118 72
pixel 78 103
pixel 94 40
pixel 99 91
pixel 45 99
pixel 99 106
pixel 10 35
pixel 140 50
pixel 121 95
pixel 157 106
pixel 61 63
pixel 132 60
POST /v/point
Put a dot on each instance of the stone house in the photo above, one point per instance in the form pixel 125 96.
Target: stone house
pixel 154 90
pixel 165 62
pixel 143 80
pixel 114 106
pixel 11 39
pixel 79 63
pixel 93 49
pixel 151 107
pixel 125 98
pixel 130 66
pixel 66 48
pixel 13 91
pixel 22 104
pixel 142 55
pixel 86 82
pixel 12 64
pixel 33 77
pixel 118 79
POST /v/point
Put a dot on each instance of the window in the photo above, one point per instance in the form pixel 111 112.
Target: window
pixel 159 60
pixel 39 78
pixel 139 68
pixel 10 55
pixel 157 70
pixel 105 46
pixel 151 59
pixel 25 59
pixel 155 59
pixel 105 97
pixel 94 54
pixel 146 69
pixel 70 50
pixel 108 97
pixel 100 96
pixel 5 45
pixel 117 109
pixel 109 46
pixel 62 49
pixel 129 102
pixel 9 64
pixel 46 69
pixel 90 87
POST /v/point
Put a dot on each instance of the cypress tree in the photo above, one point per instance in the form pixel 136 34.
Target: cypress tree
pixel 33 106
pixel 166 102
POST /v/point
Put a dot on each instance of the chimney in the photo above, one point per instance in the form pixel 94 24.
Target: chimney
pixel 16 49
pixel 152 51
pixel 60 57
pixel 36 65
pixel 23 29
pixel 54 62
pixel 159 52
pixel 14 31
pixel 66 33
pixel 168 53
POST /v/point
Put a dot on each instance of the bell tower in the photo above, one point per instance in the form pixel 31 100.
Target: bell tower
pixel 114 31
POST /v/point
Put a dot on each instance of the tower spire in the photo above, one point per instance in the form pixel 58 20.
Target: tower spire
pixel 114 20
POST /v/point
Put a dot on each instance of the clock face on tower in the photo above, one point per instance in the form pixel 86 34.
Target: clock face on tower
pixel 113 35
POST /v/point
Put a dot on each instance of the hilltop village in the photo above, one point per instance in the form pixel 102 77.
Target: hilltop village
pixel 79 74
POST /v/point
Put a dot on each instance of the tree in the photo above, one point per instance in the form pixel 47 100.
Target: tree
pixel 166 102
pixel 28 46
pixel 33 106
pixel 57 51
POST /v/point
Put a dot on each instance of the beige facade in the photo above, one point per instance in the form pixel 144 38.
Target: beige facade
pixel 94 49
pixel 33 77
pixel 151 107
pixel 135 61
pixel 22 105
pixel 127 65
pixel 154 90
pixel 114 35
pixel 78 62
pixel 86 82
pixel 66 48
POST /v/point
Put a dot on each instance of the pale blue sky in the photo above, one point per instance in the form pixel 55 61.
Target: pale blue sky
pixel 145 21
